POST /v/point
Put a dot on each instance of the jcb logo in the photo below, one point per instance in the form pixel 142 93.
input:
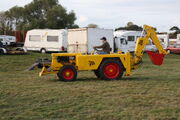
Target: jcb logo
pixel 91 63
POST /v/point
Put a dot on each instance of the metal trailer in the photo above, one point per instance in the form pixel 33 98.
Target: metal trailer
pixel 82 40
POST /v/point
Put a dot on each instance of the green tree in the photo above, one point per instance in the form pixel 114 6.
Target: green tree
pixel 6 25
pixel 41 14
pixel 175 28
pixel 176 31
pixel 130 26
pixel 57 17
pixel 92 26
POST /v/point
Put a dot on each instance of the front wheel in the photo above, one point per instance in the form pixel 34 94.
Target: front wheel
pixel 67 73
pixel 111 70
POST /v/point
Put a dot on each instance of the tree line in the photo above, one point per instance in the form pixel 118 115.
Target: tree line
pixel 42 14
pixel 39 14
pixel 176 31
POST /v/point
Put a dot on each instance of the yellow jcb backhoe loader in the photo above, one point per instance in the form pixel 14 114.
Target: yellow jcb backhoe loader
pixel 106 66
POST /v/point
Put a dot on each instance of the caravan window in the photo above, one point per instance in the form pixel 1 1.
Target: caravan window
pixel 161 39
pixel 34 38
pixel 131 38
pixel 123 41
pixel 52 38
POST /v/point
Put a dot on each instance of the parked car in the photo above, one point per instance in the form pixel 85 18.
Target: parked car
pixel 8 40
pixel 174 48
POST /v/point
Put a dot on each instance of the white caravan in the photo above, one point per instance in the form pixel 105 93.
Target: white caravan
pixel 164 39
pixel 178 39
pixel 82 40
pixel 126 41
pixel 46 40
pixel 7 40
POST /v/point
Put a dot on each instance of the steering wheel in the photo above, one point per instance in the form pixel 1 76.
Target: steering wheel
pixel 94 51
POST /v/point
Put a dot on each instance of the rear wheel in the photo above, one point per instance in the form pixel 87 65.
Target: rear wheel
pixel 43 50
pixel 111 70
pixel 67 73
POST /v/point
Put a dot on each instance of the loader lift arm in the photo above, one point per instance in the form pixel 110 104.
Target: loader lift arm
pixel 143 41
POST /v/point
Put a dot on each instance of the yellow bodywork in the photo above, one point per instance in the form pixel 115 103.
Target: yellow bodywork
pixel 93 61
pixel 86 62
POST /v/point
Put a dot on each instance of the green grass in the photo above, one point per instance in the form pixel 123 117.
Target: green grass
pixel 151 93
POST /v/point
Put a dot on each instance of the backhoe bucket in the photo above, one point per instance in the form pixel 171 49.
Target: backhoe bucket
pixel 156 58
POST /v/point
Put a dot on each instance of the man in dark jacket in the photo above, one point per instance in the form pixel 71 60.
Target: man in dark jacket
pixel 105 47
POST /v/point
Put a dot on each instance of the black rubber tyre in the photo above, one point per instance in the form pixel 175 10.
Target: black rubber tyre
pixel 43 51
pixel 1 52
pixel 111 70
pixel 67 73
pixel 96 72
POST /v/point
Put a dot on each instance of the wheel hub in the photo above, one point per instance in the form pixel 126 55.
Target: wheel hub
pixel 68 74
pixel 111 70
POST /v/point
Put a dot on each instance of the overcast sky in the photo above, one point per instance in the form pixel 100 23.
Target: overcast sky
pixel 114 13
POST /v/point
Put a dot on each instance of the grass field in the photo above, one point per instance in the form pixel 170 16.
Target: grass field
pixel 151 93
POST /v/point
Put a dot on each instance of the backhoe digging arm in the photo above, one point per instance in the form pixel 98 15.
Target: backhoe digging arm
pixel 143 41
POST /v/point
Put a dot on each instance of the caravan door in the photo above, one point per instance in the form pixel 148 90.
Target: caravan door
pixel 121 44
pixel 131 43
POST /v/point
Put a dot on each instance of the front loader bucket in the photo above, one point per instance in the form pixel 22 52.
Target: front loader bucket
pixel 156 58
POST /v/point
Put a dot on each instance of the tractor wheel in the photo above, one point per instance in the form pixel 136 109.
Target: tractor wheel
pixel 111 70
pixel 67 73
pixel 96 72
